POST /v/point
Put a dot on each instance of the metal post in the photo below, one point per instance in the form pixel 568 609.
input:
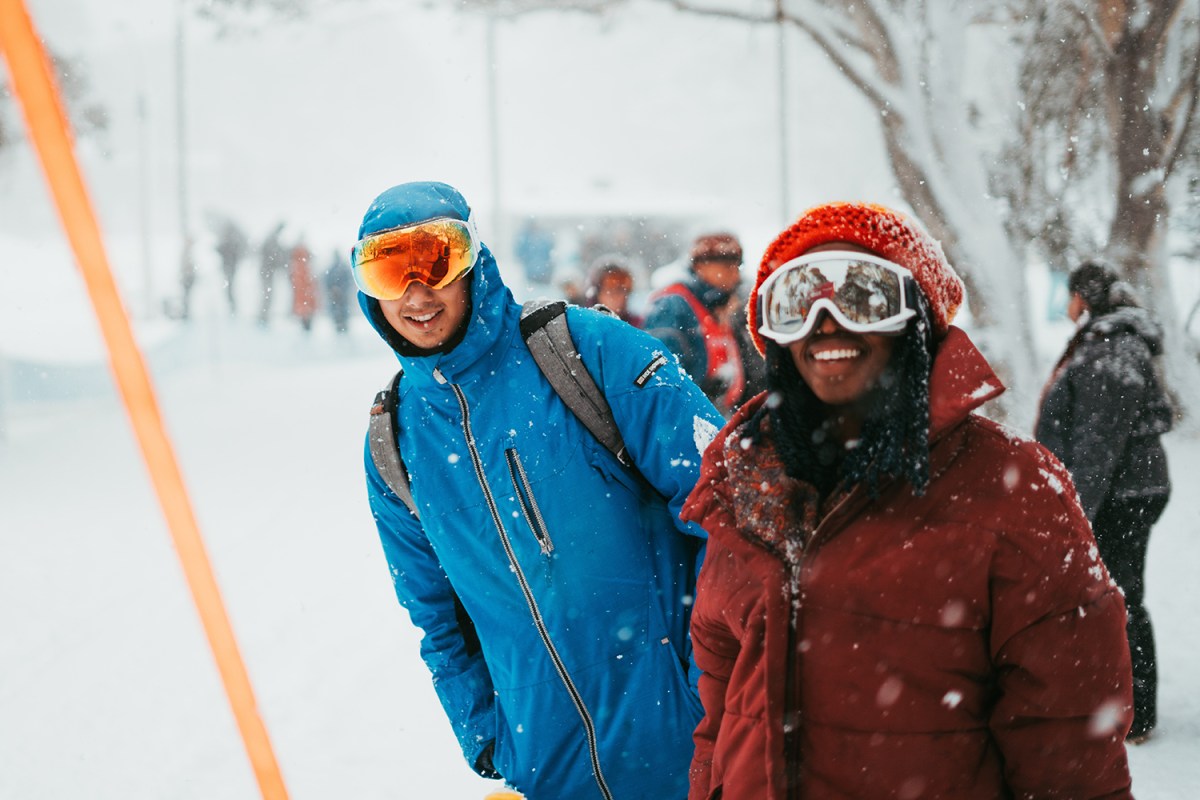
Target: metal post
pixel 144 205
pixel 784 168
pixel 181 122
pixel 497 235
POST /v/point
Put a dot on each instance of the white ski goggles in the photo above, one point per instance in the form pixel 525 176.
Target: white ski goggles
pixel 863 293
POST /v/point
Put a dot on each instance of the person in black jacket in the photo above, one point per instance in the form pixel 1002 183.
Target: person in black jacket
pixel 1102 414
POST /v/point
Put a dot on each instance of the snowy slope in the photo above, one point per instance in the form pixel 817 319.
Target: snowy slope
pixel 107 688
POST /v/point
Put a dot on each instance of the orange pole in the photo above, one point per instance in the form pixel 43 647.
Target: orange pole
pixel 33 83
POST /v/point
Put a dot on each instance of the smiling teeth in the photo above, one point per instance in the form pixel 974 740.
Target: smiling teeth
pixel 834 355
pixel 424 317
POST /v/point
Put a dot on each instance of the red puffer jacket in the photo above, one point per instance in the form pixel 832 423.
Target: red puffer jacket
pixel 964 644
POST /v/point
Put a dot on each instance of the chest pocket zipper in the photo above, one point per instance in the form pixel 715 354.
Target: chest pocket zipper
pixel 529 507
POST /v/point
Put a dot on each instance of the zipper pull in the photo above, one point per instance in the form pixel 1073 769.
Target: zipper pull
pixel 439 377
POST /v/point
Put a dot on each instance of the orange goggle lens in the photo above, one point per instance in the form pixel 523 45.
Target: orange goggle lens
pixel 435 253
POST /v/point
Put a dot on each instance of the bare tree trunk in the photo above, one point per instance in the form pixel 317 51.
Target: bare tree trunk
pixel 940 174
pixel 1142 136
pixel 996 290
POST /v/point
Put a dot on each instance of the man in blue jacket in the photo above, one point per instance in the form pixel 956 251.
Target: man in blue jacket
pixel 553 585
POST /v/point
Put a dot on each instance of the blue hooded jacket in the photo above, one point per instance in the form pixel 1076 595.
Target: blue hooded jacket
pixel 554 588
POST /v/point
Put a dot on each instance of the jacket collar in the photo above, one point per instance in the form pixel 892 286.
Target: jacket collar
pixel 1130 319
pixel 960 382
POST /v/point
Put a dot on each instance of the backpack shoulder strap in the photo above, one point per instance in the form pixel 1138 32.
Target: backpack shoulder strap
pixel 544 329
pixel 384 450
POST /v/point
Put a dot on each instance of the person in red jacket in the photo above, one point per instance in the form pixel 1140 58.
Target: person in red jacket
pixel 901 598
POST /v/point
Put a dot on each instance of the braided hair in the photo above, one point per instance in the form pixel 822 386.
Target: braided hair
pixel 895 432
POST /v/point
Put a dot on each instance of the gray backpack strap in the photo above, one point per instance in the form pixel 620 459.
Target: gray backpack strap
pixel 384 451
pixel 544 328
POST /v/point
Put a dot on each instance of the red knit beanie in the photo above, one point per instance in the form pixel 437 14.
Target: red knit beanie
pixel 881 230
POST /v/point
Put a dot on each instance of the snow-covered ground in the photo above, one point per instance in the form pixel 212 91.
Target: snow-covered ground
pixel 107 688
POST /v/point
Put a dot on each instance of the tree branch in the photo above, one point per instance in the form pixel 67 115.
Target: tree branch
pixel 1163 15
pixel 1081 8
pixel 723 13
pixel 1189 92
pixel 877 92
pixel 827 30
pixel 516 8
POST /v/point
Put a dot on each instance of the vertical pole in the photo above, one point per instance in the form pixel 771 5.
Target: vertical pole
pixel 181 120
pixel 493 112
pixel 144 203
pixel 50 133
pixel 784 166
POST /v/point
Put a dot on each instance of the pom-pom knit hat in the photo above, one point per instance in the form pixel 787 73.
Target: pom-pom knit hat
pixel 881 230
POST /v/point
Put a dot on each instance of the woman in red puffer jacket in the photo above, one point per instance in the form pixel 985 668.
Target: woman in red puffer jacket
pixel 900 599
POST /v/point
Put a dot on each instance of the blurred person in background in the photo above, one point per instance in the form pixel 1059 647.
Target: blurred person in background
pixel 609 284
pixel 534 248
pixel 754 368
pixel 187 276
pixel 304 286
pixel 339 291
pixel 1103 412
pixel 231 248
pixel 691 317
pixel 272 257
pixel 571 284
pixel 900 598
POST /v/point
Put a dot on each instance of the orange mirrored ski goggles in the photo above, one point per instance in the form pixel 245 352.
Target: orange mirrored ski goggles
pixel 435 252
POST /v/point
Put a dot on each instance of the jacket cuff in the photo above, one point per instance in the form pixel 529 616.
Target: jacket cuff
pixel 483 762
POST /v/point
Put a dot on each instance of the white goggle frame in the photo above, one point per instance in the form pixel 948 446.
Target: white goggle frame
pixel 892 324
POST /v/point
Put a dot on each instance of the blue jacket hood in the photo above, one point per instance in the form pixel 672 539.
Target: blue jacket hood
pixel 489 325
pixel 413 202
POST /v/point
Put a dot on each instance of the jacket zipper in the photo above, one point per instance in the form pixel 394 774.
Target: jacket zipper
pixel 588 725
pixel 529 506
pixel 791 686
pixel 791 730
pixel 791 699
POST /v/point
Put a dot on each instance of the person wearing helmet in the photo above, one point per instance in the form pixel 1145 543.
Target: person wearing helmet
pixel 691 317
pixel 609 284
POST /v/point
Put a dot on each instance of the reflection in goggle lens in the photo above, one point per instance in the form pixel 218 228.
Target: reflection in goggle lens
pixel 859 292
pixel 864 292
pixel 435 253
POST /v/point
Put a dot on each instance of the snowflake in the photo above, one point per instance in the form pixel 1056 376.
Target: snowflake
pixel 703 432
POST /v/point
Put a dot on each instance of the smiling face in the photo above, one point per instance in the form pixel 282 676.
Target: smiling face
pixel 839 366
pixel 428 318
